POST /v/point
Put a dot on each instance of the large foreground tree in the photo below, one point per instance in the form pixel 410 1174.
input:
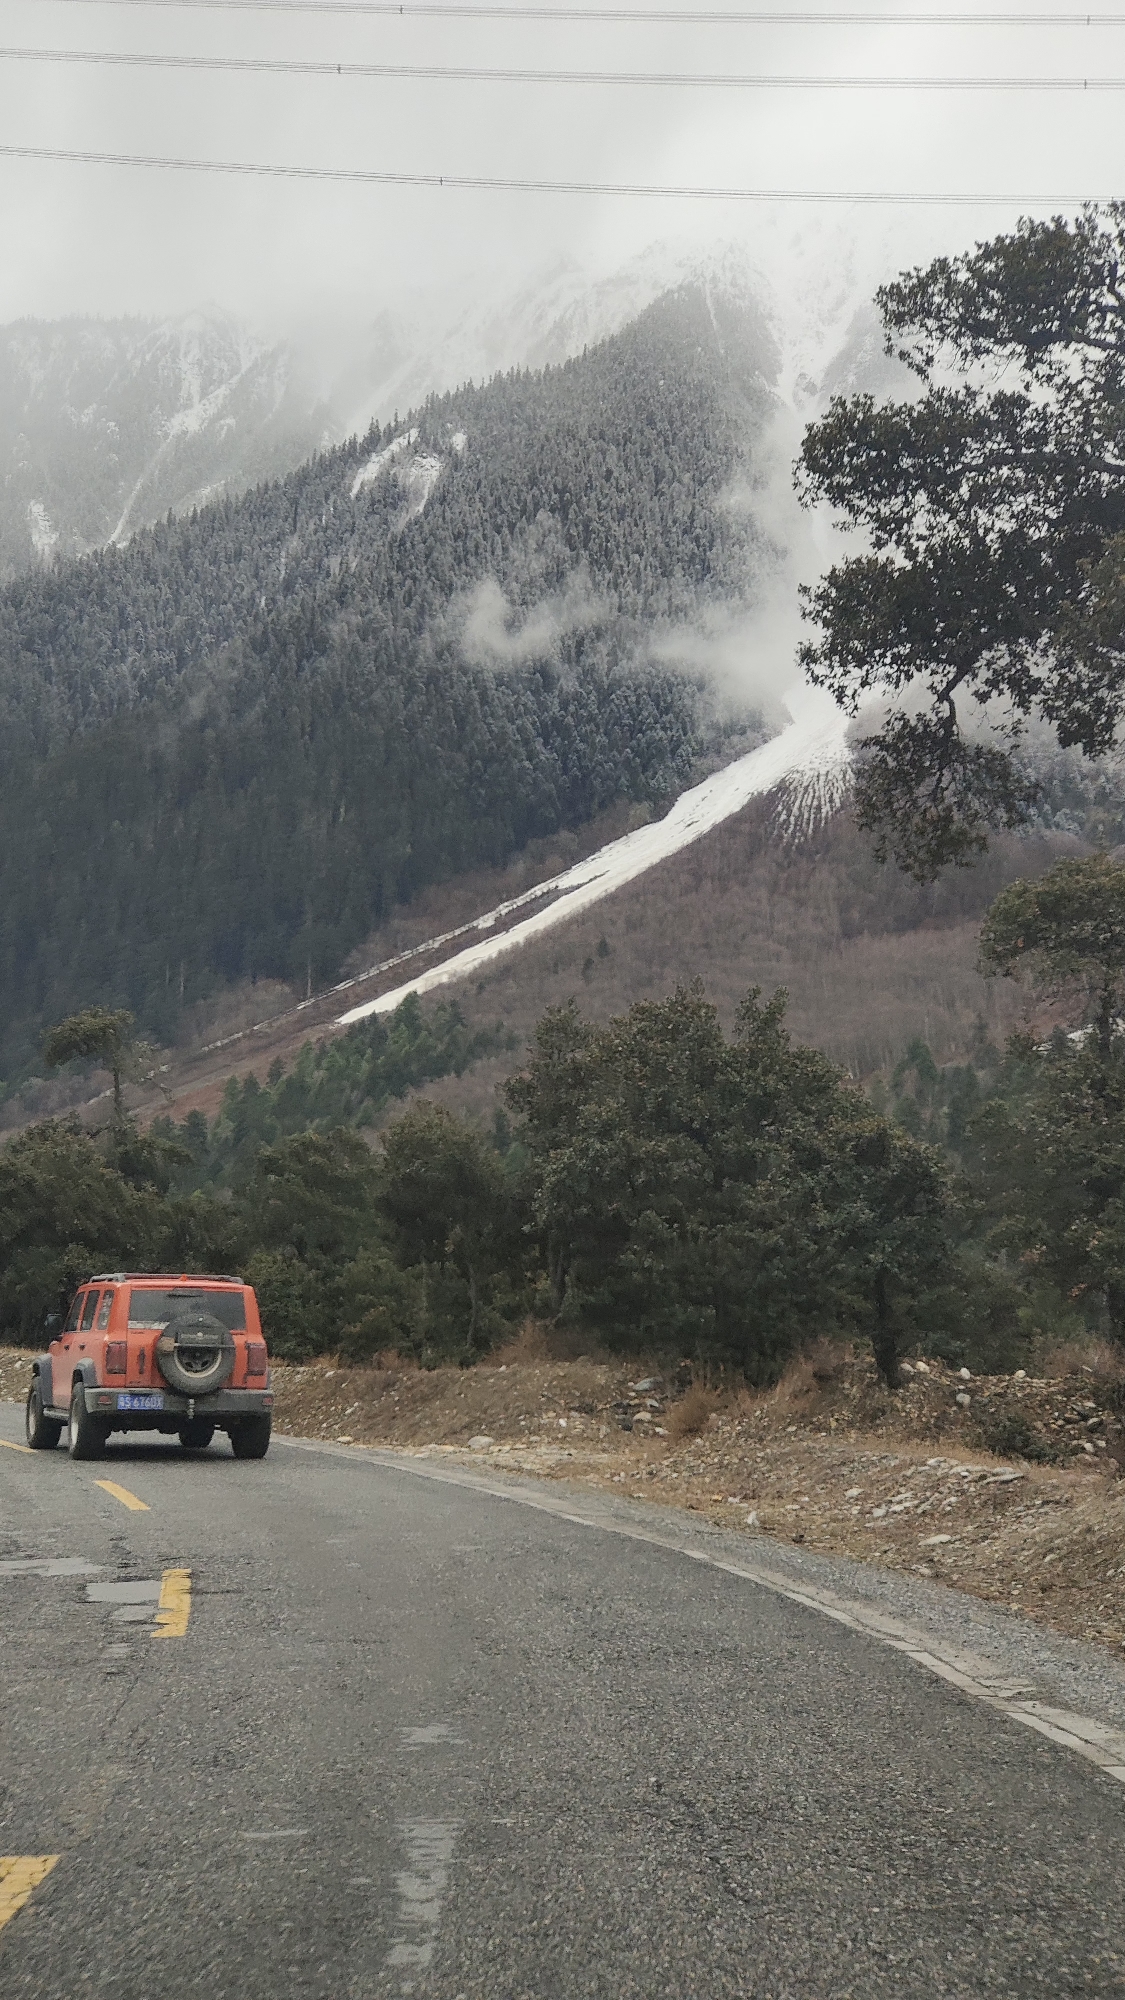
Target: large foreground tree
pixel 993 507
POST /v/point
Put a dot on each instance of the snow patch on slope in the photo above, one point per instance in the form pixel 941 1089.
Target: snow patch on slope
pixel 417 480
pixel 379 461
pixel 813 744
pixel 812 793
pixel 417 472
pixel 44 535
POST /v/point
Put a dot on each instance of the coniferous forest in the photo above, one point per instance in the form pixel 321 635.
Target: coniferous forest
pixel 229 747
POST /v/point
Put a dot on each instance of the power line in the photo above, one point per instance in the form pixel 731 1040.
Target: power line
pixel 465 73
pixel 756 18
pixel 510 184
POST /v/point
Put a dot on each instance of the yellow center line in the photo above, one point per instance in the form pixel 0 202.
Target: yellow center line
pixel 174 1608
pixel 123 1494
pixel 9 1446
pixel 19 1875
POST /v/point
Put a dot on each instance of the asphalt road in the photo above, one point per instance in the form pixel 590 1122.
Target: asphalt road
pixel 416 1739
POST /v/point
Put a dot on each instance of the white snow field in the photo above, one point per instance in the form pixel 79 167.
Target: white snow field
pixel 810 757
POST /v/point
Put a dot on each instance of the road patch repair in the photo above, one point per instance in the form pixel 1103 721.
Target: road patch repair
pixel 163 1602
pixel 20 1874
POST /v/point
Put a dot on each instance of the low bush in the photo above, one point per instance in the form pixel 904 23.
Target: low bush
pixel 1009 1434
pixel 692 1412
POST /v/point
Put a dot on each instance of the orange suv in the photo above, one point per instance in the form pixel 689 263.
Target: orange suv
pixel 140 1352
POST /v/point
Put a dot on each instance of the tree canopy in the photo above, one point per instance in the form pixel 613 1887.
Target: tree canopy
pixel 728 1198
pixel 1066 929
pixel 101 1035
pixel 993 506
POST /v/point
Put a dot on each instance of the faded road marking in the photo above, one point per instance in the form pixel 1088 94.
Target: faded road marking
pixel 19 1875
pixel 9 1446
pixel 421 1888
pixel 175 1604
pixel 123 1494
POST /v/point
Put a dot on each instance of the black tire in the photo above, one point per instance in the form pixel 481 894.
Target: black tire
pixel 196 1434
pixel 43 1433
pixel 195 1354
pixel 85 1435
pixel 251 1438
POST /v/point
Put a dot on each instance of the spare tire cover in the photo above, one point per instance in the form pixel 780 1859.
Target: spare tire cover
pixel 195 1353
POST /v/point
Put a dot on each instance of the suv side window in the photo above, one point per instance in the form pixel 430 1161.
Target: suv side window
pixel 103 1317
pixel 72 1316
pixel 88 1312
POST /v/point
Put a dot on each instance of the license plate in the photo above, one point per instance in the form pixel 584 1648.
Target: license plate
pixel 140 1402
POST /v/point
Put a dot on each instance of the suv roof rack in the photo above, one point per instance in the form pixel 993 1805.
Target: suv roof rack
pixel 163 1277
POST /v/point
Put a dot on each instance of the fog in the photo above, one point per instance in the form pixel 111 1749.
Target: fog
pixel 112 240
pixel 386 292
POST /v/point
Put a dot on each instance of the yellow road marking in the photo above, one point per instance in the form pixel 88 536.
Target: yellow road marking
pixel 174 1608
pixel 123 1494
pixel 19 1875
pixel 9 1446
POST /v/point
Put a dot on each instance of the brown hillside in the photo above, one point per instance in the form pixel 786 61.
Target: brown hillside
pixel 870 960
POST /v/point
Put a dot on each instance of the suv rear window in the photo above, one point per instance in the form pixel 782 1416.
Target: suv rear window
pixel 149 1307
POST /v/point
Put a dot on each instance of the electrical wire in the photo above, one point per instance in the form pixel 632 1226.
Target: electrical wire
pixel 505 184
pixel 446 10
pixel 465 73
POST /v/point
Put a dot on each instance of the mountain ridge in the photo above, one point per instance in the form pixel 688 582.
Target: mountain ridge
pixel 107 424
pixel 233 743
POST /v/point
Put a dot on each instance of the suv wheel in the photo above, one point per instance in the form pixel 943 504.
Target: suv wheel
pixel 250 1438
pixel 43 1433
pixel 85 1435
pixel 196 1434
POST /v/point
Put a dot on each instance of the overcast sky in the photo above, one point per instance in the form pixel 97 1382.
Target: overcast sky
pixel 114 239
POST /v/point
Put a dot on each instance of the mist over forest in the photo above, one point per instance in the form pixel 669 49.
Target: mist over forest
pixel 233 743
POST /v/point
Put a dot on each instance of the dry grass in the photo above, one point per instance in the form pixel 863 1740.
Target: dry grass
pixel 235 1008
pixel 692 1412
pixel 821 1364
pixel 1097 1358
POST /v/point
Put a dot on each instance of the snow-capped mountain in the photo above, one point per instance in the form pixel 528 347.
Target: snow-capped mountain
pixel 106 424
pixel 808 292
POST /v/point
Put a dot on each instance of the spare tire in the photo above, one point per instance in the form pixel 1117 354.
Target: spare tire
pixel 195 1354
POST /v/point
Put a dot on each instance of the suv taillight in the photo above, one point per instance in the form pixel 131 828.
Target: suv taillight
pixel 255 1357
pixel 115 1357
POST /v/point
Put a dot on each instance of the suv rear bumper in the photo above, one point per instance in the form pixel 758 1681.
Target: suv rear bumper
pixel 220 1406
